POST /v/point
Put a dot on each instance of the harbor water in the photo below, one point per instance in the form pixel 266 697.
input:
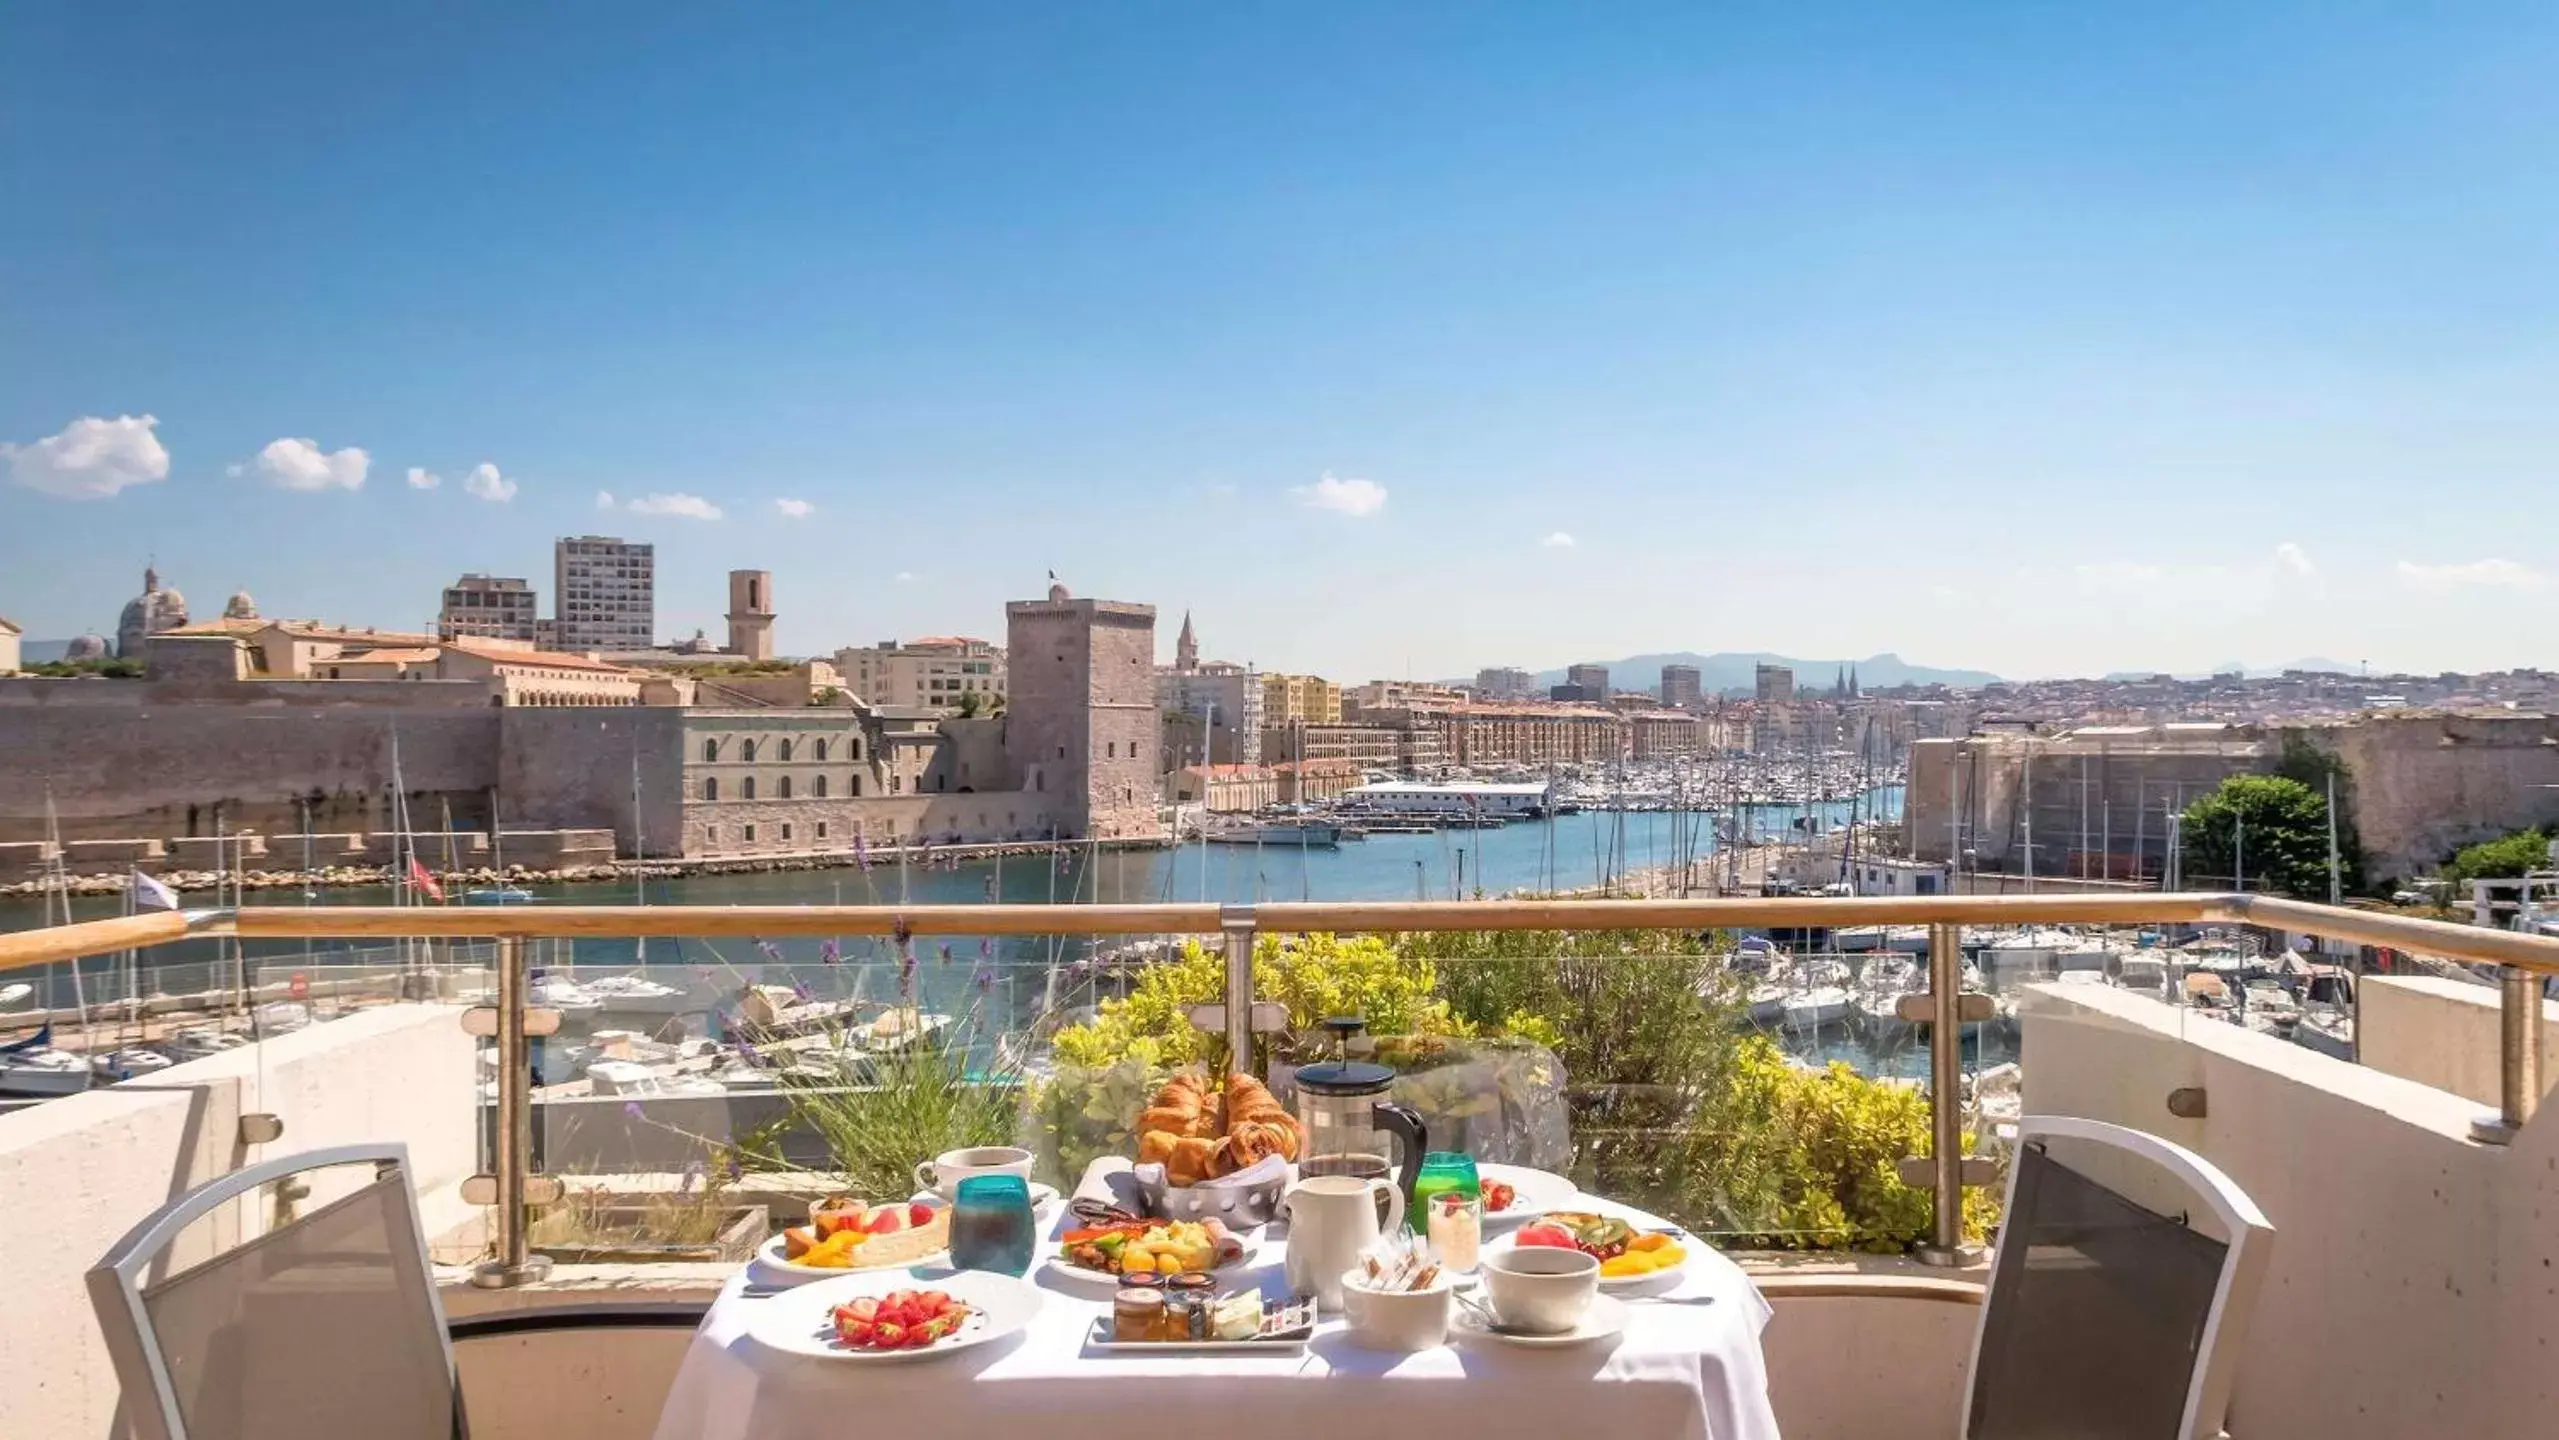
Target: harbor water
pixel 1009 982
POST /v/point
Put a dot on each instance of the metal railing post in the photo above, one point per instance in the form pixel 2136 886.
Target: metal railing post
pixel 1946 1097
pixel 2518 1055
pixel 515 1264
pixel 1237 922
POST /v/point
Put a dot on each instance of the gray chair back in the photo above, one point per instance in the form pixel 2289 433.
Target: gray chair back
pixel 325 1326
pixel 2107 1316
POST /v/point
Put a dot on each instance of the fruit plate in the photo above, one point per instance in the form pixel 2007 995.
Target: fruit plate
pixel 1538 1191
pixel 1649 1278
pixel 929 1243
pixel 801 1321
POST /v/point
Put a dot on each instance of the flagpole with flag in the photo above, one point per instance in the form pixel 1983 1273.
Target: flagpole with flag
pixel 150 893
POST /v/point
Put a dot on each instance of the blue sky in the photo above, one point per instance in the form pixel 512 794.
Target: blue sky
pixel 2040 338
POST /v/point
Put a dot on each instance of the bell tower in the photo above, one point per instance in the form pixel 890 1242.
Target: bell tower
pixel 751 614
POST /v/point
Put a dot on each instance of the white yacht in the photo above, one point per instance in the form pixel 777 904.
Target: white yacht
pixel 283 1017
pixel 635 995
pixel 1879 992
pixel 194 1042
pixel 131 1063
pixel 41 1070
pixel 632 1080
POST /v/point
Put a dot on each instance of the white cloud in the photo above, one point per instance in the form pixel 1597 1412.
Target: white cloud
pixel 2490 574
pixel 905 575
pixel 796 509
pixel 1347 497
pixel 1557 541
pixel 2293 560
pixel 423 479
pixel 485 483
pixel 691 507
pixel 300 464
pixel 603 499
pixel 91 459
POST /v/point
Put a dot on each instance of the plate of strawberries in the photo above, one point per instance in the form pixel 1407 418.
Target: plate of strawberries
pixel 905 1315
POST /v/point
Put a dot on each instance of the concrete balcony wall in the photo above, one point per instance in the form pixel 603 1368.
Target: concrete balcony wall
pixel 2443 1033
pixel 2412 1287
pixel 77 1173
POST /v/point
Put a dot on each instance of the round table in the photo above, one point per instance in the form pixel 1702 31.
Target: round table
pixel 1688 1364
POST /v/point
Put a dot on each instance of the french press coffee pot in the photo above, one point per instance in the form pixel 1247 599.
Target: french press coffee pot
pixel 1351 1126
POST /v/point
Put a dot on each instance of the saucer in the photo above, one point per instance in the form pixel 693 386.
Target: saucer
pixel 1606 1317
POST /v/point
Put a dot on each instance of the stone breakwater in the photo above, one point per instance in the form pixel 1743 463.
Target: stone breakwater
pixel 471 878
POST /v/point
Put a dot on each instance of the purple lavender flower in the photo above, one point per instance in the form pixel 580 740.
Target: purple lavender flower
pixel 830 951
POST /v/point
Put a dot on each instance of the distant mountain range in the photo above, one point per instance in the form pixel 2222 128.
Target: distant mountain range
pixel 1737 672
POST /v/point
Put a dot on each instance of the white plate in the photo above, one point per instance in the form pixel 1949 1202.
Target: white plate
pixel 1098 1341
pixel 1103 1284
pixel 769 1255
pixel 1687 1253
pixel 1539 1191
pixel 1605 1317
pixel 798 1322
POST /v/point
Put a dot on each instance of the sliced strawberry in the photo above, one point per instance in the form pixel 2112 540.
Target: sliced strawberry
pixel 918 1214
pixel 888 1336
pixel 866 1309
pixel 933 1302
pixel 885 1219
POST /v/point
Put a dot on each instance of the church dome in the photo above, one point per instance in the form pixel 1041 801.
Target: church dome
pixel 87 647
pixel 1057 594
pixel 147 614
pixel 241 607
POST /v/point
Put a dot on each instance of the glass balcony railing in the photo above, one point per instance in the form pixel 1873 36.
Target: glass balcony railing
pixel 1792 1074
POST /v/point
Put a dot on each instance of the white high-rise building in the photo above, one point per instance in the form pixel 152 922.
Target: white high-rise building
pixel 606 599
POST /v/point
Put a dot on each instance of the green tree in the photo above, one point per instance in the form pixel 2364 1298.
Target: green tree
pixel 2269 831
pixel 2499 859
pixel 971 704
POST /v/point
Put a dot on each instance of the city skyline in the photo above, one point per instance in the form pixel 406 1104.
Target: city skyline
pixel 2043 345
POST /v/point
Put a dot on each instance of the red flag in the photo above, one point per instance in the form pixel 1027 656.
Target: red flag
pixel 419 878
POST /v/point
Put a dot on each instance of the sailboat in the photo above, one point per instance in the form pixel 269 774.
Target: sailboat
pixel 31 1066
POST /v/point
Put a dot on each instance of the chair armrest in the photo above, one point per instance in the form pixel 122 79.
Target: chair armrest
pixel 657 1315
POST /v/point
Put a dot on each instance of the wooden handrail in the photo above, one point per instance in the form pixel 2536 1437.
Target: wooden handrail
pixel 2469 943
pixel 22 948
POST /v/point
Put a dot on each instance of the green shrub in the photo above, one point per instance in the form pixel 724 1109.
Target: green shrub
pixel 2502 859
pixel 1670 1106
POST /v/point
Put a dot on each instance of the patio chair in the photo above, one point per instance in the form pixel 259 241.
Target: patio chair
pixel 325 1326
pixel 2126 1273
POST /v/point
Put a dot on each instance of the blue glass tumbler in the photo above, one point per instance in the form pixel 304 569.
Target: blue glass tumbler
pixel 991 1224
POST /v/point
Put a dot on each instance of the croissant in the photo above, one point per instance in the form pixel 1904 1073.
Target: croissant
pixel 1181 1108
pixel 1188 1161
pixel 1250 1103
pixel 1251 1143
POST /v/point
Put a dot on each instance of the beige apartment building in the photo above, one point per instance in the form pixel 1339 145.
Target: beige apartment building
pixel 10 636
pixel 1373 746
pixel 1529 734
pixel 1300 700
pixel 1663 734
pixel 489 607
pixel 933 673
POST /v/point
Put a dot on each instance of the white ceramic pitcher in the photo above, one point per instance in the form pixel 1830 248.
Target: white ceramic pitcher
pixel 1331 1219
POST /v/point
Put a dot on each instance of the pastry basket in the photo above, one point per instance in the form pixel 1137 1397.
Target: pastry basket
pixel 1241 1206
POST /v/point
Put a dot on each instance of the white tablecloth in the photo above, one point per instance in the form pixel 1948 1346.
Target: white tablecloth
pixel 1688 1365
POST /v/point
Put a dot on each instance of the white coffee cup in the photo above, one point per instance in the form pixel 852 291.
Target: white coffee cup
pixel 1398 1320
pixel 943 1173
pixel 1542 1289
